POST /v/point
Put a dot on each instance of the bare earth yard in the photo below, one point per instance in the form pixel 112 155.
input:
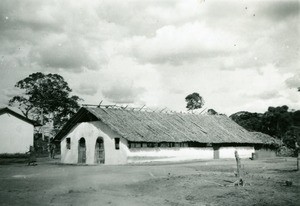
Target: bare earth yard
pixel 188 183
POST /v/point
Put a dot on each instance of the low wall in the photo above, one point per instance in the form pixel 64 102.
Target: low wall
pixel 264 153
pixel 140 155
pixel 228 152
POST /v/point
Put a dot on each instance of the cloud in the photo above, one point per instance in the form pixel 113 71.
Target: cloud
pixel 156 52
pixel 268 95
pixel 61 52
pixel 123 94
pixel 58 40
pixel 294 81
pixel 18 19
pixel 8 94
pixel 87 89
pixel 176 45
pixel 279 10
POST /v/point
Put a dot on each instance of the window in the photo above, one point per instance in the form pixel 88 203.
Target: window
pixel 117 143
pixel 150 144
pixel 138 145
pixel 183 144
pixel 68 140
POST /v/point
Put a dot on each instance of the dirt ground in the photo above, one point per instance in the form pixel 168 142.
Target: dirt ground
pixel 176 184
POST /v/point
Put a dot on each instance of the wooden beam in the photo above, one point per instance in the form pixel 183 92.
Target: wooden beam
pixel 203 110
pixel 100 103
pixel 162 110
pixel 142 107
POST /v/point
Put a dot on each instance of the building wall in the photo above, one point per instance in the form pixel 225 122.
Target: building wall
pixel 91 131
pixel 139 155
pixel 228 152
pixel 265 153
pixel 16 135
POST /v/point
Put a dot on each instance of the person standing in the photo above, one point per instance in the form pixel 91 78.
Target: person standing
pixel 52 149
pixel 32 156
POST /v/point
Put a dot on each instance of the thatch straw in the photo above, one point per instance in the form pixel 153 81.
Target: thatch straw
pixel 142 126
pixel 267 139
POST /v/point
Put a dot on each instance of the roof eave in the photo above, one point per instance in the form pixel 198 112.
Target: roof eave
pixel 7 110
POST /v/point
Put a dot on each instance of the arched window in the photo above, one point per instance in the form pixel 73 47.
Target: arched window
pixel 81 151
pixel 68 143
pixel 117 143
pixel 99 151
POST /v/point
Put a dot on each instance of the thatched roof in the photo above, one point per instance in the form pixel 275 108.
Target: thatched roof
pixel 266 139
pixel 142 126
pixel 7 110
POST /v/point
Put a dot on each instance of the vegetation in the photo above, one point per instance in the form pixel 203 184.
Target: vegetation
pixel 194 101
pixel 14 155
pixel 46 98
pixel 212 112
pixel 278 122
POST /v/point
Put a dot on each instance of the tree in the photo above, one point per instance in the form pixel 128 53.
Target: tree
pixel 46 97
pixel 212 112
pixel 278 122
pixel 248 120
pixel 194 101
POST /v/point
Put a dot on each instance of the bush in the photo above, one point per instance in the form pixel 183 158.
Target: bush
pixel 15 155
pixel 284 151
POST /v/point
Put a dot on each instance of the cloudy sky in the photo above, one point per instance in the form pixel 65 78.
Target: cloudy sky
pixel 238 55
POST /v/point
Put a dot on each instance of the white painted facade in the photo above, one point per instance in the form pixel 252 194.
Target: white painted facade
pixel 140 155
pixel 16 135
pixel 90 131
pixel 228 152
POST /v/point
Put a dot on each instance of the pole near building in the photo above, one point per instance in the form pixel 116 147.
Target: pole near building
pixel 42 122
pixel 297 153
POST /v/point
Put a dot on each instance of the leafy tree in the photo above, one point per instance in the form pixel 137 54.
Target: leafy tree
pixel 212 112
pixel 296 118
pixel 46 96
pixel 292 136
pixel 248 120
pixel 277 122
pixel 194 101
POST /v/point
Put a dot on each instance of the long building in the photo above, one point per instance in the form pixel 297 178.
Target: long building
pixel 121 136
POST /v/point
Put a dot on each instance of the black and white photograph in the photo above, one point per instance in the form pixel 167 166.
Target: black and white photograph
pixel 149 102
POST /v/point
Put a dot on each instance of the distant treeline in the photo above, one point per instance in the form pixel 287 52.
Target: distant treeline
pixel 278 122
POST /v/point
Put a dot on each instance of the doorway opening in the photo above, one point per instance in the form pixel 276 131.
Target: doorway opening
pixel 81 151
pixel 99 151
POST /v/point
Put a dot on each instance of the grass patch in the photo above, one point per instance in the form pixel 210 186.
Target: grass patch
pixel 6 159
pixel 13 156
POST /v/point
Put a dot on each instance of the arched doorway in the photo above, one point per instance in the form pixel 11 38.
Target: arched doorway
pixel 99 151
pixel 81 151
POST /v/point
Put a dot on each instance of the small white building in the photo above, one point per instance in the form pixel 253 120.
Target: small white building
pixel 16 132
pixel 121 136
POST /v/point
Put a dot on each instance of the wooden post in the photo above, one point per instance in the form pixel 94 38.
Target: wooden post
pixel 238 164
pixel 100 104
pixel 297 151
pixel 239 170
pixel 298 160
pixel 142 107
pixel 42 122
